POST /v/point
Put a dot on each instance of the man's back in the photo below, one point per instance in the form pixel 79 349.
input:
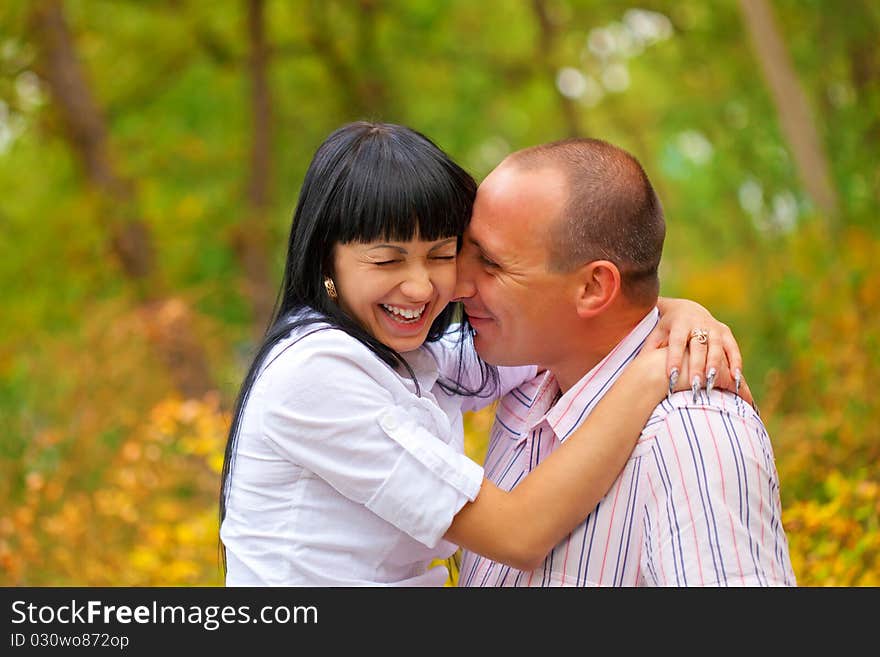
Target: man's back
pixel 696 505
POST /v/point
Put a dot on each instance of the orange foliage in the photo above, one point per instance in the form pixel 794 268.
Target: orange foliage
pixel 150 519
pixel 113 474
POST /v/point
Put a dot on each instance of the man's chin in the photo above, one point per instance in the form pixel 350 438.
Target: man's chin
pixel 484 350
pixel 492 353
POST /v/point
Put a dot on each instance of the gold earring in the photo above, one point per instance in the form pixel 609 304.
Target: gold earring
pixel 330 287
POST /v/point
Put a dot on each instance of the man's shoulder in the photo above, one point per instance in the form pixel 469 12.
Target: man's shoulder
pixel 684 409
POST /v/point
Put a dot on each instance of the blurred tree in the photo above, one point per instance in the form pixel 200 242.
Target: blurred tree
pixel 168 317
pixel 344 38
pixel 545 53
pixel 251 235
pixel 792 106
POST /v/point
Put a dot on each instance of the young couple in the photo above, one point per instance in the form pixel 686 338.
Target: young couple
pixel 624 451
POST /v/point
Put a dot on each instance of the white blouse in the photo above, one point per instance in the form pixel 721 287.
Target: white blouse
pixel 343 475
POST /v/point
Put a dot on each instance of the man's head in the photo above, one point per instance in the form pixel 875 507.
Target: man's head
pixel 563 247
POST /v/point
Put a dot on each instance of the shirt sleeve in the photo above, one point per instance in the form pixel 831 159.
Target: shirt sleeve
pixel 713 509
pixel 457 360
pixel 329 409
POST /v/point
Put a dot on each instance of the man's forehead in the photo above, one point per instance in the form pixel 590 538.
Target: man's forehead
pixel 509 188
pixel 517 203
pixel 525 177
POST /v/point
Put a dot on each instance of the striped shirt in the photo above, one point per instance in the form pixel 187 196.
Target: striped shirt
pixel 697 503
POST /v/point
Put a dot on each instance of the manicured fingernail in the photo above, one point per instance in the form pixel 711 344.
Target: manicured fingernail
pixel 673 379
pixel 710 380
pixel 738 378
pixel 695 386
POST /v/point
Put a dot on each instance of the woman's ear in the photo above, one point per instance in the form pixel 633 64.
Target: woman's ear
pixel 600 286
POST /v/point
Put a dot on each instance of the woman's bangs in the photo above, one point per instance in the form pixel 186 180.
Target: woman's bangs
pixel 399 200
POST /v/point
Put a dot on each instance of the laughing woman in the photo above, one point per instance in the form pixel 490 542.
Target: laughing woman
pixel 345 461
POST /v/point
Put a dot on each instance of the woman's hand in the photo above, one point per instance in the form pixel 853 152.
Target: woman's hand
pixel 715 362
pixel 649 363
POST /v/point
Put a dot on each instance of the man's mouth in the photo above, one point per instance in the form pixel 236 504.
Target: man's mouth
pixel 404 315
pixel 476 316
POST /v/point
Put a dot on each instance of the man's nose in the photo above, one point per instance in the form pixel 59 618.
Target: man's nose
pixel 464 282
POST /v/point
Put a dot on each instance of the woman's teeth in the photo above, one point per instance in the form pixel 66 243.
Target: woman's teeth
pixel 404 314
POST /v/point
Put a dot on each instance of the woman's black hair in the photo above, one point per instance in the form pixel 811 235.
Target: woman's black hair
pixel 367 181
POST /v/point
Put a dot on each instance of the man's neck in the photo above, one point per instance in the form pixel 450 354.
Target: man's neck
pixel 587 349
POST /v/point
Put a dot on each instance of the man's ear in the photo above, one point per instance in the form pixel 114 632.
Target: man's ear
pixel 600 286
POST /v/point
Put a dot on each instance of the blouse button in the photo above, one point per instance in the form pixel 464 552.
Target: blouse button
pixel 388 422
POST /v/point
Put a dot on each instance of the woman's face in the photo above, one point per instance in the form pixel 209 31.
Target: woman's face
pixel 395 290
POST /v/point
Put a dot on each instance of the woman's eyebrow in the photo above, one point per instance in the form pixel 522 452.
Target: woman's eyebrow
pixel 402 250
pixel 444 243
pixel 388 246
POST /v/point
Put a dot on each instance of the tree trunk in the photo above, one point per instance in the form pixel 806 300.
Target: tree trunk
pixel 865 71
pixel 792 106
pixel 251 238
pixel 546 48
pixel 85 131
pixel 363 87
pixel 169 320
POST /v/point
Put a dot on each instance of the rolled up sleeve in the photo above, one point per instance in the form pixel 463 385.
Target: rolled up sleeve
pixel 429 483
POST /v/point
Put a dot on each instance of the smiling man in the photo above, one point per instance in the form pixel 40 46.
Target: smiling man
pixel 559 267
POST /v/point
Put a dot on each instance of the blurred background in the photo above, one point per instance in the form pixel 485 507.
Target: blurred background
pixel 151 153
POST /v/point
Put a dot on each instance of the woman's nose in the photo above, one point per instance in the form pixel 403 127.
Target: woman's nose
pixel 418 285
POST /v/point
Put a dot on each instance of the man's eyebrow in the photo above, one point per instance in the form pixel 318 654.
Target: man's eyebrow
pixel 488 254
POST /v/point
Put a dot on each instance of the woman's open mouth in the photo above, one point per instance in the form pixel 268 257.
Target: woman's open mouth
pixel 404 315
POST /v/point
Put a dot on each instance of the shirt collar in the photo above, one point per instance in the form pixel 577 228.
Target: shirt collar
pixel 569 411
pixel 424 367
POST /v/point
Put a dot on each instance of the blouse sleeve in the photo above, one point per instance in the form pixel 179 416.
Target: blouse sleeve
pixel 458 361
pixel 329 409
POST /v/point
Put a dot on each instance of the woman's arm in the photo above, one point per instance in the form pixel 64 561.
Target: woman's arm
pixel 520 527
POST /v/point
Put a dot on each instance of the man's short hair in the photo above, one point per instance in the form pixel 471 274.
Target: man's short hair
pixel 612 212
